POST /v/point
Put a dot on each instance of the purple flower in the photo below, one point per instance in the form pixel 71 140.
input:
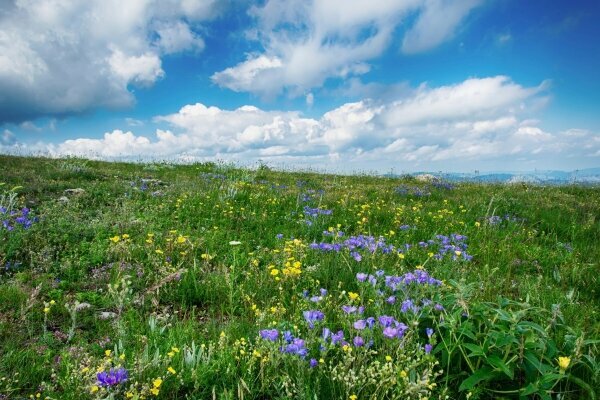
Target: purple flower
pixel 279 236
pixel 358 341
pixel 313 363
pixel 386 320
pixel 296 347
pixel 349 309
pixel 337 337
pixel 360 324
pixel 396 331
pixel 390 332
pixel 370 322
pixel 356 255
pixel 429 332
pixel 408 305
pixel 438 307
pixel 288 337
pixel 323 292
pixel 361 276
pixel 391 300
pixel 326 333
pixel 269 334
pixel 312 316
pixel 428 348
pixel 112 377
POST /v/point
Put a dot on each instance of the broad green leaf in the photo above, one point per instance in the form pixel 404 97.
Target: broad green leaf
pixel 482 374
pixel 497 363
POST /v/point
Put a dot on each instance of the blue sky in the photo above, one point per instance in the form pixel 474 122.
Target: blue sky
pixel 335 85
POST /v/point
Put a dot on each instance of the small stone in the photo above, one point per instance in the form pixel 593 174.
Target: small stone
pixel 107 315
pixel 63 199
pixel 76 191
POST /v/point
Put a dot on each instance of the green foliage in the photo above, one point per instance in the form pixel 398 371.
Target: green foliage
pixel 171 271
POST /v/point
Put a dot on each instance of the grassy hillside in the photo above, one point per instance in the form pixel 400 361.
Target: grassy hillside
pixel 207 281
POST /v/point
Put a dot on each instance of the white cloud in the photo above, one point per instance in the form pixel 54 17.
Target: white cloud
pixel 307 42
pixel 175 37
pixel 7 138
pixel 60 57
pixel 474 122
pixel 142 70
pixel 436 23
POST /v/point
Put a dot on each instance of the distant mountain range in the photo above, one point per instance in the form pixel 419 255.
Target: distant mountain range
pixel 582 176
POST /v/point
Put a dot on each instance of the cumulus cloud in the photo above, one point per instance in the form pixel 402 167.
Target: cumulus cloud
pixel 59 57
pixel 473 122
pixel 307 42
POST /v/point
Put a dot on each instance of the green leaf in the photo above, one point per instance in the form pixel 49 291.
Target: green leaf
pixel 482 374
pixel 500 365
pixel 475 350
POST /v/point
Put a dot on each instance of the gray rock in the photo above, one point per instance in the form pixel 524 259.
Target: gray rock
pixel 63 199
pixel 76 191
pixel 107 315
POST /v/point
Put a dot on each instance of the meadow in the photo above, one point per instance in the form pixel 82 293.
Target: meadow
pixel 208 281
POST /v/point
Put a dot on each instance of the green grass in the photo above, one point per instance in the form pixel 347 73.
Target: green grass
pixel 158 259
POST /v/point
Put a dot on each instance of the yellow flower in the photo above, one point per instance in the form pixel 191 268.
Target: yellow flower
pixel 170 354
pixel 171 370
pixel 94 389
pixel 158 251
pixel 353 397
pixel 115 239
pixel 353 296
pixel 157 382
pixel 107 353
pixel 122 356
pixel 52 302
pixel 388 358
pixel 403 374
pixel 154 391
pixel 180 239
pixel 84 370
pixel 46 310
pixel 125 236
pixel 175 349
pixel 129 395
pixel 477 224
pixel 274 272
pixel 563 363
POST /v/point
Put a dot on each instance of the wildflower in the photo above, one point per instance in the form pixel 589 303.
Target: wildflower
pixel 353 397
pixel 353 296
pixel 154 391
pixel 360 324
pixel 112 377
pixel 356 255
pixel 388 358
pixel 115 239
pixel 429 332
pixel 171 370
pixel 94 389
pixel 349 309
pixel 358 341
pixel 361 276
pixel 269 334
pixel 46 310
pixel 157 382
pixel 313 362
pixel 563 363
pixel 312 316
pixel 428 348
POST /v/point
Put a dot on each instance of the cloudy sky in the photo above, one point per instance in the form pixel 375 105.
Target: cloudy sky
pixel 342 85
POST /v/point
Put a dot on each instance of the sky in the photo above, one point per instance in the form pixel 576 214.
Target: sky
pixel 330 85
